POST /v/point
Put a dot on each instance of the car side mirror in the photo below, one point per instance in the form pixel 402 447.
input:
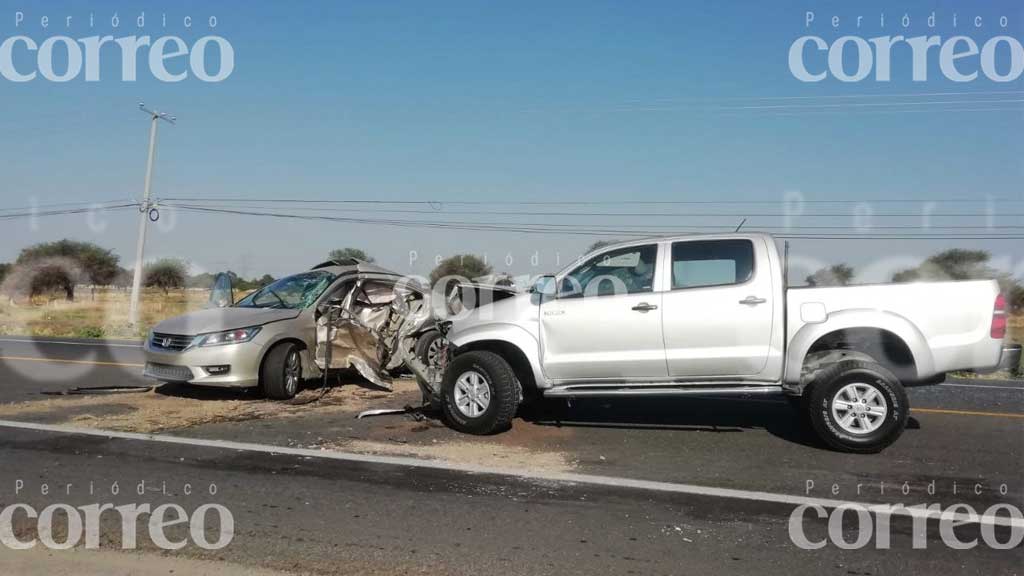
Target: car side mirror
pixel 222 292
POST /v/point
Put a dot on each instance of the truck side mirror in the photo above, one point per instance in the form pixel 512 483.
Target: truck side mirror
pixel 544 285
pixel 543 289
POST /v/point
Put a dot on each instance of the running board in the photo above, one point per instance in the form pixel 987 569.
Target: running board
pixel 581 391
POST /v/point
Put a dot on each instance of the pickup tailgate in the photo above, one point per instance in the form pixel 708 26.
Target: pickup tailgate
pixel 951 320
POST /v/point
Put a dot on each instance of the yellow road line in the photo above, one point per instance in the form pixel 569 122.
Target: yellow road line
pixel 62 361
pixel 966 412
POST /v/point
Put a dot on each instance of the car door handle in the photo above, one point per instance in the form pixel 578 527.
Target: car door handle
pixel 644 307
pixel 752 300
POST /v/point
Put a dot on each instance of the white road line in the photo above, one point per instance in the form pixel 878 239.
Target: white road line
pixel 570 478
pixel 983 386
pixel 65 343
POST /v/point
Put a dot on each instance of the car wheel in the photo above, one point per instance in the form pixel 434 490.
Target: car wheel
pixel 858 406
pixel 479 393
pixel 429 348
pixel 281 372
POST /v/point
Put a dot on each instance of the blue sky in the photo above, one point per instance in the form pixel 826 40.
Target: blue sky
pixel 492 101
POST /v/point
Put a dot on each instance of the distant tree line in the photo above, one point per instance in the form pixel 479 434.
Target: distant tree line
pixel 953 264
pixel 61 267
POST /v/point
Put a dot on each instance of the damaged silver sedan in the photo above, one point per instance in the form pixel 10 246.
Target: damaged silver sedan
pixel 268 340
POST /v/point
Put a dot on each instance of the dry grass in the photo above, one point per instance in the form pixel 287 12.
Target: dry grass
pixel 102 313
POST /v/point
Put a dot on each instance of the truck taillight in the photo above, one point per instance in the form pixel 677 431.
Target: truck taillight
pixel 999 318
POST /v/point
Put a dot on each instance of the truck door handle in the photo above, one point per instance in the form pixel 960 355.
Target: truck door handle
pixel 752 301
pixel 644 307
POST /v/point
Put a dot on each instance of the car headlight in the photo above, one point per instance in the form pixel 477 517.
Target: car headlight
pixel 229 337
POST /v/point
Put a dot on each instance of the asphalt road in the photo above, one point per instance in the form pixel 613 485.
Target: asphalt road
pixel 310 514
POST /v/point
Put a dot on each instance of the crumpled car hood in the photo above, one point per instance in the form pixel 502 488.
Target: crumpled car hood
pixel 220 319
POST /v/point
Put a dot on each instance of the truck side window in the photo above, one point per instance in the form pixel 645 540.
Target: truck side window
pixel 623 271
pixel 711 263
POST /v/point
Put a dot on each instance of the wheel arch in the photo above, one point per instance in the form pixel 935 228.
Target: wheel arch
pixel 518 347
pixel 890 339
pixel 308 366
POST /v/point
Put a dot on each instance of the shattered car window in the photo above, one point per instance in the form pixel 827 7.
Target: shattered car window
pixel 292 292
pixel 376 294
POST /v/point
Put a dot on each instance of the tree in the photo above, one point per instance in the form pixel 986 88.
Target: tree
pixel 201 280
pixel 358 254
pixel 123 278
pixel 960 264
pixel 48 276
pixel 264 280
pixel 1016 298
pixel 166 274
pixel 5 269
pixel 464 265
pixel 835 275
pixel 906 275
pixel 601 244
pixel 953 264
pixel 80 262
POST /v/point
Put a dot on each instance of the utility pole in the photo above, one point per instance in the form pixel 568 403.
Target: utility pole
pixel 145 210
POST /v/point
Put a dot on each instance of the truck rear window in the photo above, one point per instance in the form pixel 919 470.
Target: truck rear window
pixel 711 263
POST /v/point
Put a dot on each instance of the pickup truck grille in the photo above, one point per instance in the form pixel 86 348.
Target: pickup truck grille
pixel 171 342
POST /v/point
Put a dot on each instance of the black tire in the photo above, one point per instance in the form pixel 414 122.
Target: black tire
pixel 831 381
pixel 423 353
pixel 426 340
pixel 276 371
pixel 501 385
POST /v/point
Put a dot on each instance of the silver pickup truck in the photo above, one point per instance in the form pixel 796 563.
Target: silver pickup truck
pixel 713 315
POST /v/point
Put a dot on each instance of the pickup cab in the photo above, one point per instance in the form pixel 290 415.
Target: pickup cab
pixel 714 315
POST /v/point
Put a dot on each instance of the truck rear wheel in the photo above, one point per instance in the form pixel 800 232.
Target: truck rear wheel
pixel 857 406
pixel 479 393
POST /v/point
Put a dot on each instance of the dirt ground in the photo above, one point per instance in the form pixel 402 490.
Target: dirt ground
pixel 310 421
pixel 177 407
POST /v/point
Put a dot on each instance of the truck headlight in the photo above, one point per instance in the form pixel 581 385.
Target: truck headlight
pixel 229 337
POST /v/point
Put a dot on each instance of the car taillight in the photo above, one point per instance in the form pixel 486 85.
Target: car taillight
pixel 999 318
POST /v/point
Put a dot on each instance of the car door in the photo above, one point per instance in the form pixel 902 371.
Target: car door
pixel 718 310
pixel 605 320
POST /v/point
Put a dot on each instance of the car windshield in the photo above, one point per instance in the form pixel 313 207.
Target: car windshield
pixel 294 292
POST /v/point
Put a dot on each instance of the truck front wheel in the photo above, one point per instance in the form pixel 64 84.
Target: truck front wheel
pixel 479 393
pixel 857 406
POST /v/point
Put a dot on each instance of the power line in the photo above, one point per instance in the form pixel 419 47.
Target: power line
pixel 59 204
pixel 441 203
pixel 41 214
pixel 665 214
pixel 841 96
pixel 809 106
pixel 545 229
pixel 594 224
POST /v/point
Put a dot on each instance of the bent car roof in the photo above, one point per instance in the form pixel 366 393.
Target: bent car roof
pixel 352 266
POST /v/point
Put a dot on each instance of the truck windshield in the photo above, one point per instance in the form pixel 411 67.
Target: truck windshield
pixel 294 292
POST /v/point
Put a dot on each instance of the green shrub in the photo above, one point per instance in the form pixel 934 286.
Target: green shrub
pixel 90 332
